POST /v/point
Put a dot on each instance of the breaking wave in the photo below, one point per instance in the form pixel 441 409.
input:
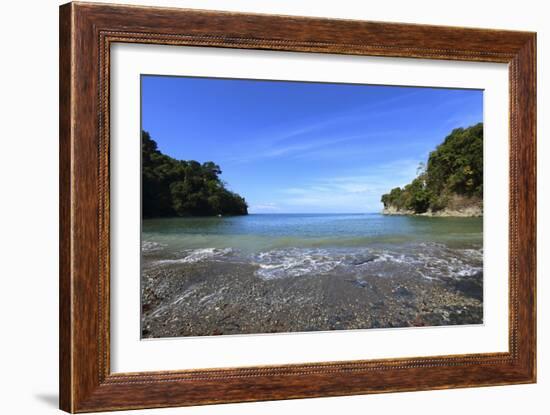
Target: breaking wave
pixel 190 256
pixel 427 260
pixel 431 261
pixel 150 246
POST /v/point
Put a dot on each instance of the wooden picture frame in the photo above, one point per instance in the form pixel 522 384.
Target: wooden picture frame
pixel 86 33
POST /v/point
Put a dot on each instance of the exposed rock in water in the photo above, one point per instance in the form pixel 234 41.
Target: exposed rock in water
pixel 363 260
pixel 392 210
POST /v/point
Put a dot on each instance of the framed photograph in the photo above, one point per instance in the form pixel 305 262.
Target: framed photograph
pixel 259 207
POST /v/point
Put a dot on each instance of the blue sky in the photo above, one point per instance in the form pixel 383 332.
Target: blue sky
pixel 295 147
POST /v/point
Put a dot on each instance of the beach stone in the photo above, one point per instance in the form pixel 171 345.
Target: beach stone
pixel 402 292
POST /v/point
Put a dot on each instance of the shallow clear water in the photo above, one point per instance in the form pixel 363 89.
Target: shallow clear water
pixel 256 232
pixel 290 245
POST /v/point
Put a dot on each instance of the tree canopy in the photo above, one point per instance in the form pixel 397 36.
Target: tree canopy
pixel 173 187
pixel 454 167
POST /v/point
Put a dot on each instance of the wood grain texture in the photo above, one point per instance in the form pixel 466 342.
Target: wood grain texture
pixel 65 248
pixel 86 33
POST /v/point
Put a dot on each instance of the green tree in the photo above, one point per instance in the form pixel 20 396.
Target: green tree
pixel 173 187
pixel 454 167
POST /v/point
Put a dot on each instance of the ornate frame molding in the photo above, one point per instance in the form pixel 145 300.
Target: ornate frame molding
pixel 86 33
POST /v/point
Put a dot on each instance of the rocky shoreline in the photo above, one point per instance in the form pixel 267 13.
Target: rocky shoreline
pixel 468 212
pixel 215 298
pixel 457 206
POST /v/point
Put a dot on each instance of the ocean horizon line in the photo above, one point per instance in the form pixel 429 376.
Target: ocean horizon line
pixel 314 213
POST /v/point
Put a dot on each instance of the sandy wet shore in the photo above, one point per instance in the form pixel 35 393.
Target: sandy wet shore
pixel 215 298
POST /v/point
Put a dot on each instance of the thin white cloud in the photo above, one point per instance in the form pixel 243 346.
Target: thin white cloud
pixel 464 121
pixel 350 193
pixel 306 146
pixel 282 140
pixel 264 208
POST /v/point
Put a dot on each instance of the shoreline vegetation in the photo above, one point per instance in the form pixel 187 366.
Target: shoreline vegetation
pixel 449 185
pixel 180 188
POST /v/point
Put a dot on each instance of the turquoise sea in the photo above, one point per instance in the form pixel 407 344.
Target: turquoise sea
pixel 294 245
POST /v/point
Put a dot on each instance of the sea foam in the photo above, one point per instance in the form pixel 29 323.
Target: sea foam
pixel 427 260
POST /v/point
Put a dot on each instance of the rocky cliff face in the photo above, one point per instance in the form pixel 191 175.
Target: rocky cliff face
pixel 393 210
pixel 458 206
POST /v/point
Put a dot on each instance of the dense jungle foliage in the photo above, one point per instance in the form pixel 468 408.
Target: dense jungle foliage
pixel 173 187
pixel 455 167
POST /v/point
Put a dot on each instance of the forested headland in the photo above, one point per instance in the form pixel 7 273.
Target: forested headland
pixel 173 187
pixel 450 184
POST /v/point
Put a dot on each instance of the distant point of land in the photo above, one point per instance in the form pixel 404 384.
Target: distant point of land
pixel 183 188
